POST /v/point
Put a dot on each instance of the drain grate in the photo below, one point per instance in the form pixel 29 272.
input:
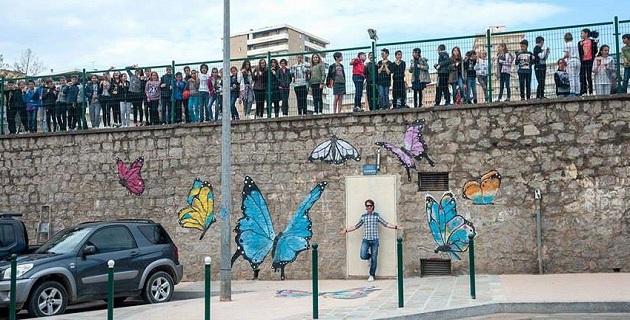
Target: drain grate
pixel 435 267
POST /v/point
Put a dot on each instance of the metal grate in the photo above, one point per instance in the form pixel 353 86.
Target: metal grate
pixel 433 181
pixel 435 267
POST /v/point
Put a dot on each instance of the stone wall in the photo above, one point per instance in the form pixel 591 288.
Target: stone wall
pixel 576 151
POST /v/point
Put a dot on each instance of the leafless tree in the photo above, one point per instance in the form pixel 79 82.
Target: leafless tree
pixel 3 65
pixel 29 64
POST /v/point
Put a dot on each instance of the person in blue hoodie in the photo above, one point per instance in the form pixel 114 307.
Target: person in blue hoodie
pixel 178 95
pixel 32 100
pixel 41 111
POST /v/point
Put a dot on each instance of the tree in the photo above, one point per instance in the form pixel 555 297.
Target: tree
pixel 29 64
pixel 2 64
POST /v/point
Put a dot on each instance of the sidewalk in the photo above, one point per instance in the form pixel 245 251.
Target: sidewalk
pixel 435 297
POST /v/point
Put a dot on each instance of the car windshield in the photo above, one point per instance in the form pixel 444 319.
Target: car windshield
pixel 65 241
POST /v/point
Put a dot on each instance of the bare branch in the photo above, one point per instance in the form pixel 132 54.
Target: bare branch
pixel 29 63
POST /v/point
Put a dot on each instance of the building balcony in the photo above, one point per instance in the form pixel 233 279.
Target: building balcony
pixel 264 50
pixel 271 38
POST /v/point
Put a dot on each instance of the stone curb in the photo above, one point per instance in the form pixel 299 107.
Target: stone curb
pixel 520 307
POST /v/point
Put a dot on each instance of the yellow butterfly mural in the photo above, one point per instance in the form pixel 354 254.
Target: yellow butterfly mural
pixel 199 214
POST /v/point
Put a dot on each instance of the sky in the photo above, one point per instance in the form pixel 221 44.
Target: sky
pixel 98 34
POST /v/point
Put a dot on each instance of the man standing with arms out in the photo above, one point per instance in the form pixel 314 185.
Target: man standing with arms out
pixel 358 65
pixel 371 219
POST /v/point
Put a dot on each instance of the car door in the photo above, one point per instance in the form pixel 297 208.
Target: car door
pixel 111 243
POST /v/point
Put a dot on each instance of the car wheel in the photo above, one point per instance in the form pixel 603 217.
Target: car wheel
pixel 47 299
pixel 159 288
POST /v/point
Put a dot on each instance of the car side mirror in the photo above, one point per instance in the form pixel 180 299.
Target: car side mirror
pixel 89 250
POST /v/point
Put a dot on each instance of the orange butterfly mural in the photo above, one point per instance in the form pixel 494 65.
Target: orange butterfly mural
pixel 483 191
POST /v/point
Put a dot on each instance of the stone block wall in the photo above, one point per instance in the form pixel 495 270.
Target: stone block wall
pixel 576 151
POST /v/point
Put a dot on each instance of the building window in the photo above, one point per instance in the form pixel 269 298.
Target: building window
pixel 433 181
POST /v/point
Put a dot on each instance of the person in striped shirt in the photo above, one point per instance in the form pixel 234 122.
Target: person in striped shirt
pixel 370 219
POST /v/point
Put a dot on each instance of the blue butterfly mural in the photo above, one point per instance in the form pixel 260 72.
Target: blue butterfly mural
pixel 450 230
pixel 255 236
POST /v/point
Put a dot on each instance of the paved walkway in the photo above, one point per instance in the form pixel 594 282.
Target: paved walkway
pixel 604 296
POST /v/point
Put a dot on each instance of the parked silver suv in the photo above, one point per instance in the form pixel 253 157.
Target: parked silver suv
pixel 72 267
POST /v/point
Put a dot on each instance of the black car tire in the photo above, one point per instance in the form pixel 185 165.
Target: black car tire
pixel 159 288
pixel 47 299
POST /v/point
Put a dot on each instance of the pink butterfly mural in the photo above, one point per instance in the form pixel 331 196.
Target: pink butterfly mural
pixel 129 177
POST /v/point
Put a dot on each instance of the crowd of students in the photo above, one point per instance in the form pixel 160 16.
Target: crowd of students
pixel 192 96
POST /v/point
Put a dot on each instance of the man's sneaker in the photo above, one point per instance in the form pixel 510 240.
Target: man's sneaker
pixel 357 110
pixel 370 279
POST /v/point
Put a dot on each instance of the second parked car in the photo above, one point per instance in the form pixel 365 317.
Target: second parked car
pixel 72 267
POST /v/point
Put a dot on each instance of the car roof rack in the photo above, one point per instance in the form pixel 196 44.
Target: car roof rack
pixel 136 220
pixel 10 215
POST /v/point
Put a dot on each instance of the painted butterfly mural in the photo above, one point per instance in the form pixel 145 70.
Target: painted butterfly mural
pixel 483 191
pixel 335 151
pixel 129 177
pixel 255 236
pixel 413 147
pixel 449 230
pixel 199 214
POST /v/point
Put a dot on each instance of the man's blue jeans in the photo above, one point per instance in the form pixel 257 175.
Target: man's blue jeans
pixel 203 114
pixel 626 77
pixel 358 89
pixel 373 246
pixel 383 97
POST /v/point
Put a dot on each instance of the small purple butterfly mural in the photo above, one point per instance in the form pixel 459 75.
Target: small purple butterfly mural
pixel 413 147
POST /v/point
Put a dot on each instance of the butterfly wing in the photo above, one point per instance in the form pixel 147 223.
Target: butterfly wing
pixel 412 138
pixel 414 142
pixel 294 239
pixel 200 212
pixel 130 177
pixel 450 230
pixel 472 191
pixel 490 183
pixel 254 231
pixel 483 192
pixel 403 155
pixel 334 151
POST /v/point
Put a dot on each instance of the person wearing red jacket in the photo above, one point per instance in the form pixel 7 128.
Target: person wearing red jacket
pixel 358 77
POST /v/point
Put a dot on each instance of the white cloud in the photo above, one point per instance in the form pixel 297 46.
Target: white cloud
pixel 72 34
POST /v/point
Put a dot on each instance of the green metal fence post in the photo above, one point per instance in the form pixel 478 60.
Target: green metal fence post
pixel 401 295
pixel 110 290
pixel 315 287
pixel 374 87
pixel 207 261
pixel 471 258
pixel 618 54
pixel 489 48
pixel 12 310
pixel 2 106
pixel 173 91
pixel 268 84
pixel 82 120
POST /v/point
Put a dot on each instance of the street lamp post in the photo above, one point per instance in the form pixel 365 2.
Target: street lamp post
pixel 374 38
pixel 225 274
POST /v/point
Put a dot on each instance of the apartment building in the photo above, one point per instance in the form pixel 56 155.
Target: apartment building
pixel 277 40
